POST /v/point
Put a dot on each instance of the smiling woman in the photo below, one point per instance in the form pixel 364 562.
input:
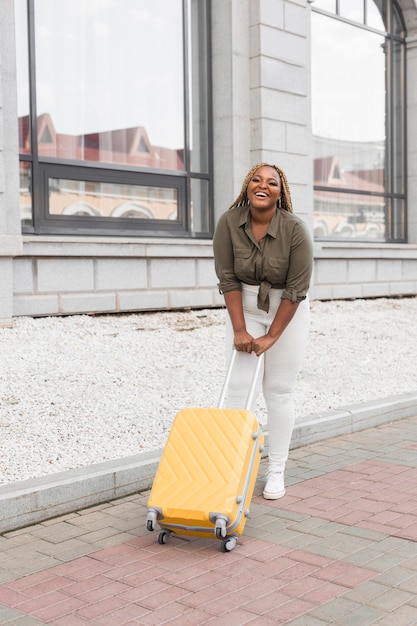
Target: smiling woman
pixel 264 258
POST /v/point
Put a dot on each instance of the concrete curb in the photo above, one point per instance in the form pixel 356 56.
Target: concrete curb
pixel 356 417
pixel 28 502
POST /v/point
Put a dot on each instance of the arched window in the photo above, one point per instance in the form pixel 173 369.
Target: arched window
pixel 358 120
pixel 114 106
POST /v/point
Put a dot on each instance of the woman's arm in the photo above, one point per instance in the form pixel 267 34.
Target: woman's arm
pixel 229 284
pixel 242 339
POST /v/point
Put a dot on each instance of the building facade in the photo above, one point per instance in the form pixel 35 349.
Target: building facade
pixel 126 130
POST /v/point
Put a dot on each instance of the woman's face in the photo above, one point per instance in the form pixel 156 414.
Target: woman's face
pixel 264 188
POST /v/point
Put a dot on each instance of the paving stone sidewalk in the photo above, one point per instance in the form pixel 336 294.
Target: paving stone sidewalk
pixel 340 548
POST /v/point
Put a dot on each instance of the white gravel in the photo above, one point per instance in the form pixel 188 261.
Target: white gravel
pixel 80 390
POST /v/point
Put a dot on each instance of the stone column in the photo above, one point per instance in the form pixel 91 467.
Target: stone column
pixel 231 99
pixel 10 230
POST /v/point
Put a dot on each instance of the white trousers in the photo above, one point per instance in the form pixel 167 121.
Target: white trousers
pixel 282 363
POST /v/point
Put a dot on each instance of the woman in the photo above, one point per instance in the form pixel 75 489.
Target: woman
pixel 264 258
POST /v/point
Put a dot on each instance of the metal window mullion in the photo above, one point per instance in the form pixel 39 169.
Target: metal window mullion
pixel 187 112
pixel 390 113
pixel 209 95
pixel 405 135
pixel 345 20
pixel 37 188
pixel 388 139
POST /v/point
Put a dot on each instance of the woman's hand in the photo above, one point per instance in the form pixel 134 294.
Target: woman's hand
pixel 283 317
pixel 262 344
pixel 243 341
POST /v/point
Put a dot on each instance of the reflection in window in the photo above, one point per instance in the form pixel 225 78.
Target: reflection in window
pixel 348 215
pixel 79 208
pixel 373 15
pixel 25 177
pixel 96 199
pixel 200 212
pixel 198 81
pixel 130 99
pixel 356 113
pixel 118 97
pixel 22 67
pixel 133 209
pixel 127 146
pixel 369 12
pixel 326 5
pixel 352 10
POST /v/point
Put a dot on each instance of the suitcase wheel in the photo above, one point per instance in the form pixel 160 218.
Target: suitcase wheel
pixel 164 536
pixel 220 532
pixel 228 544
pixel 220 527
pixel 151 520
pixel 150 525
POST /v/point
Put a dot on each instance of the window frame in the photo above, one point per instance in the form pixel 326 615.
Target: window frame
pixel 42 168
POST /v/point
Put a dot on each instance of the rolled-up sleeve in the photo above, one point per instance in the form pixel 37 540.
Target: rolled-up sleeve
pixel 300 264
pixel 224 257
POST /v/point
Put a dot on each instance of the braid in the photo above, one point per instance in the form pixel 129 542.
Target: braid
pixel 242 198
pixel 286 194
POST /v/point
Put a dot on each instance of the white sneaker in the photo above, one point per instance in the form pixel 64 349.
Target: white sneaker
pixel 274 487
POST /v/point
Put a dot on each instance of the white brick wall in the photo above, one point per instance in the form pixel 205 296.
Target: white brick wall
pixel 58 276
pixel 109 283
pixel 171 273
pixel 62 275
pixel 120 274
pixel 360 271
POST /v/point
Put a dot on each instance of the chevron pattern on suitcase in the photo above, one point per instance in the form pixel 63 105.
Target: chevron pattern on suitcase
pixel 204 465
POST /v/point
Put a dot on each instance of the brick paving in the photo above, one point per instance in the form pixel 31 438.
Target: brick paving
pixel 340 548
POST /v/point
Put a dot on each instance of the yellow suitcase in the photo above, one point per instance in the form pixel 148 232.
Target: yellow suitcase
pixel 207 473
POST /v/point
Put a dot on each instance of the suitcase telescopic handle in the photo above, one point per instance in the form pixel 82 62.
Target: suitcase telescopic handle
pixel 252 387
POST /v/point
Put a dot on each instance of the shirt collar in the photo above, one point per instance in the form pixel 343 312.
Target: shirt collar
pixel 273 227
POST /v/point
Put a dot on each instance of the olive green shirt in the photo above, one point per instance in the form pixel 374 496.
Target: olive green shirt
pixel 283 259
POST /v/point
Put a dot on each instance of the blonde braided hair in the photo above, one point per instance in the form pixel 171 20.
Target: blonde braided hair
pixel 242 198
